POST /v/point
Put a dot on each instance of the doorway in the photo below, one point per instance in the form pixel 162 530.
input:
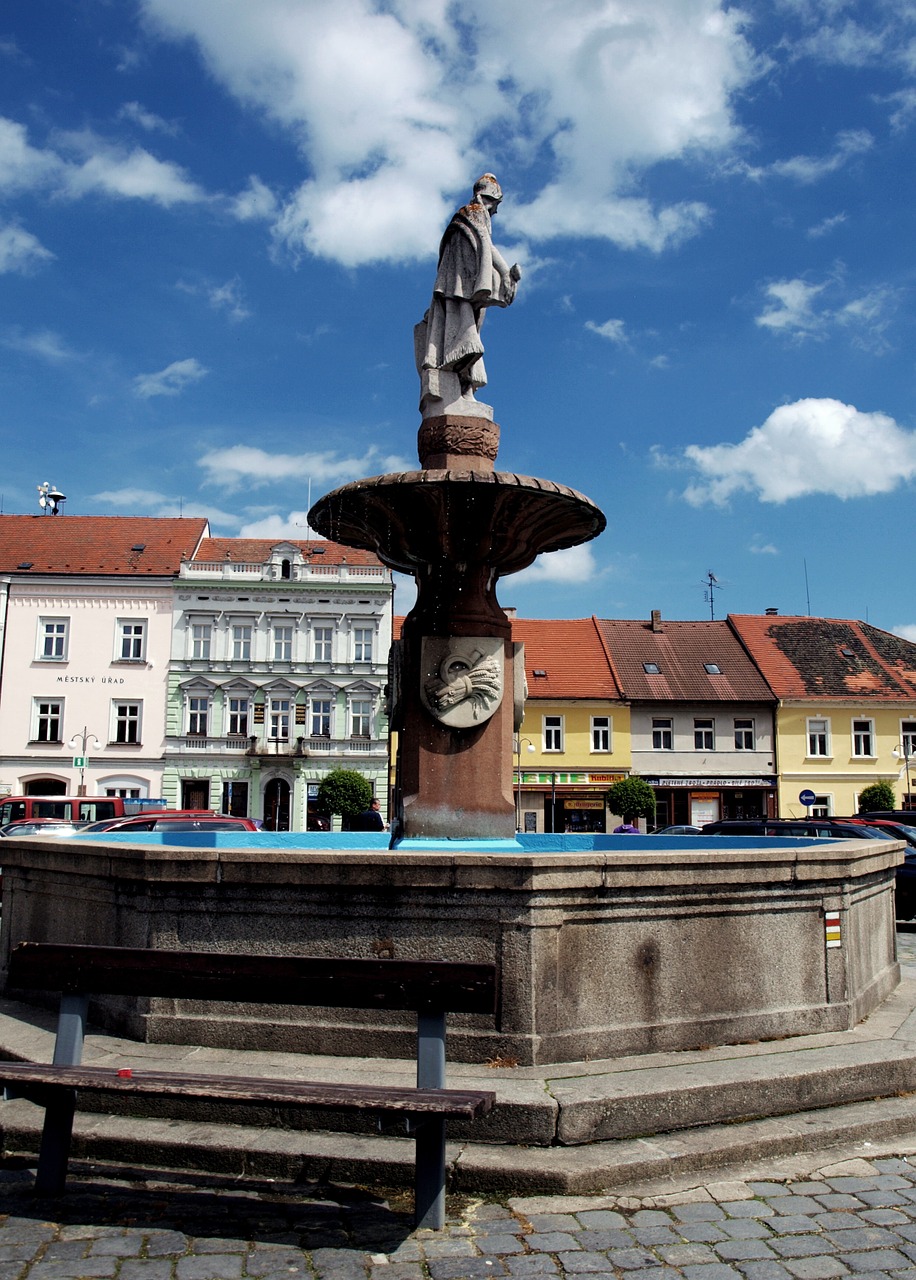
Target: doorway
pixel 45 787
pixel 195 793
pixel 276 805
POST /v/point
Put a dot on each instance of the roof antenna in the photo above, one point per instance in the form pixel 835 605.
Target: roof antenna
pixel 807 593
pixel 712 585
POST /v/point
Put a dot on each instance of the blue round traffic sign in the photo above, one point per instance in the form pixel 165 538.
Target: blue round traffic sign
pixel 807 797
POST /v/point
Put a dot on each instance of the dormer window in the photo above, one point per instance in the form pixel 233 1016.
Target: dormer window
pixel 285 569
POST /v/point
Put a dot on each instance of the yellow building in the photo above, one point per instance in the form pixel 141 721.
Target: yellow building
pixel 846 715
pixel 575 738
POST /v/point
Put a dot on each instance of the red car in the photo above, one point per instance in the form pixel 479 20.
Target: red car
pixel 173 820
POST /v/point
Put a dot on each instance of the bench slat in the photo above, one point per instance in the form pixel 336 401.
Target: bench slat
pixel 253 1090
pixel 291 980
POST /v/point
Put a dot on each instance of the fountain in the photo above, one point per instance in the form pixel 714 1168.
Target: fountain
pixel 457 525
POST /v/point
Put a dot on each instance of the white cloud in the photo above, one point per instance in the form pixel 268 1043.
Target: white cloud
pixel 22 166
pixel 117 171
pixel 808 169
pixel 130 500
pixel 256 202
pixel 44 344
pixel 907 631
pixel 825 226
pixel 147 120
pixel 171 380
pixel 397 109
pixel 791 307
pixel 21 251
pixel 759 548
pixel 294 526
pixel 246 465
pixel 227 297
pixel 613 330
pixel 809 447
pixel 574 564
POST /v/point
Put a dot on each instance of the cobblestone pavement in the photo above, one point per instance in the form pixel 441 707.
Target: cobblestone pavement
pixel 856 1219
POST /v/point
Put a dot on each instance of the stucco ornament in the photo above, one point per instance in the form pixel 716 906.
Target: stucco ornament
pixel 463 678
pixel 472 276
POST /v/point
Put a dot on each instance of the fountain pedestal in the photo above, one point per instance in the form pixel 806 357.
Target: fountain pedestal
pixel 457 525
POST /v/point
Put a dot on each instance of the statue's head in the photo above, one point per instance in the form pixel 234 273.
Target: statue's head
pixel 486 185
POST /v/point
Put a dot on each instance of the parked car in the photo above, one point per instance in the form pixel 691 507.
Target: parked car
pixel 907 816
pixel 682 830
pixel 171 814
pixel 825 828
pixel 173 821
pixel 905 886
pixel 41 827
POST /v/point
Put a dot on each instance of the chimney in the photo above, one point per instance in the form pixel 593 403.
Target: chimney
pixel 772 613
pixel 656 620
pixel 510 611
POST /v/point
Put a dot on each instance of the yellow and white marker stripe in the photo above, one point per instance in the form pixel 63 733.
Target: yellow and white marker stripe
pixel 832 936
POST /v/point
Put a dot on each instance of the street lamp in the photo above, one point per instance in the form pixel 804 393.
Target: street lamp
pixel 518 774
pixel 82 740
pixel 902 749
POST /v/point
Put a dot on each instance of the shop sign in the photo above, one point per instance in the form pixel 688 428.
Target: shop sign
pixel 711 782
pixel 577 802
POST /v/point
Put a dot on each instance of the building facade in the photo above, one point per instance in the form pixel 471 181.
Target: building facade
pixel 86 618
pixel 701 719
pixel 574 741
pixel 846 713
pixel 278 665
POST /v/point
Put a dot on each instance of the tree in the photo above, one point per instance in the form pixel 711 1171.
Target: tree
pixel 632 798
pixel 344 791
pixel 879 795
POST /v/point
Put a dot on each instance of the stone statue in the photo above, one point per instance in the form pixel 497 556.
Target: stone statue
pixel 472 276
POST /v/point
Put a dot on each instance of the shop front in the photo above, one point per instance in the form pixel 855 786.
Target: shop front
pixel 565 802
pixel 696 801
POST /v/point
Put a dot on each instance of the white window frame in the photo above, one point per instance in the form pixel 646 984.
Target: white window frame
pixel 281 644
pixel 39 716
pixel 242 633
pixel 704 733
pixel 200 641
pixel 600 733
pixel 237 713
pixel 363 643
pixel 811 733
pixel 199 710
pixel 662 729
pixel 360 721
pixel 129 722
pixel 745 733
pixel 53 634
pixel 822 807
pixel 131 640
pixel 279 718
pixel 553 731
pixel 322 643
pixel 321 712
pixel 908 737
pixel 863 737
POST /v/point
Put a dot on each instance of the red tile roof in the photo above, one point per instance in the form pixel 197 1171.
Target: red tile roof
pixel 572 655
pixel 681 651
pixel 97 544
pixel 828 658
pixel 257 550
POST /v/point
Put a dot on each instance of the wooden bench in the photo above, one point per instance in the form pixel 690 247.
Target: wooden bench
pixel 431 989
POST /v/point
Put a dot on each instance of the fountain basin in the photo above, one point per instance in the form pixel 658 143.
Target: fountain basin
pixel 605 946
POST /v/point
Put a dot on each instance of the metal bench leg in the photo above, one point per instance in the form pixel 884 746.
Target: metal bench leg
pixel 429 1174
pixel 57 1132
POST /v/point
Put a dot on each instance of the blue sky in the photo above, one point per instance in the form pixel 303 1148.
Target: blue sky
pixel 218 226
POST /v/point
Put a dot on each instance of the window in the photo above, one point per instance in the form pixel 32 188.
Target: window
pixel 744 735
pixel 49 719
pixel 360 717
pixel 322 640
pixel 908 738
pixel 601 733
pixel 241 644
pixel 818 737
pixel 712 668
pixel 200 639
pixel 132 640
pixel 704 736
pixel 822 807
pixel 127 793
pixel 235 799
pixel 238 717
pixel 283 644
pixel 863 738
pixel 321 717
pixel 278 719
pixel 651 668
pixel 53 637
pixel 127 721
pixel 198 711
pixel 553 733
pixel 663 735
pixel 362 644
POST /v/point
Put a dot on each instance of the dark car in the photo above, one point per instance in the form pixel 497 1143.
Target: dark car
pixel 824 828
pixel 684 829
pixel 41 827
pixel 905 888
